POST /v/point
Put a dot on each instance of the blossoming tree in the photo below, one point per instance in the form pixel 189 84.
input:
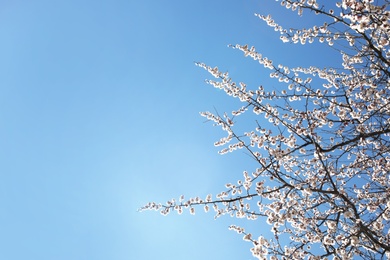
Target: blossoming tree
pixel 323 151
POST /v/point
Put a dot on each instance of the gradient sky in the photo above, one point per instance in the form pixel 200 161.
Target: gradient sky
pixel 99 114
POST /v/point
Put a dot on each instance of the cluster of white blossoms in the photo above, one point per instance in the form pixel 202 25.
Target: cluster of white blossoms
pixel 323 148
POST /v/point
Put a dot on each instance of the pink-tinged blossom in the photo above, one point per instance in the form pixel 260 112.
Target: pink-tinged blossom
pixel 320 138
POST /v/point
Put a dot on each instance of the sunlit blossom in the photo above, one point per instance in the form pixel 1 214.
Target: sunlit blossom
pixel 321 142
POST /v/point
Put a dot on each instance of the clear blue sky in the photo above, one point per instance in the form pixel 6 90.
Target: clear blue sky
pixel 99 114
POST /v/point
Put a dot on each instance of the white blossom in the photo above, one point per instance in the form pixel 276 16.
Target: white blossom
pixel 321 141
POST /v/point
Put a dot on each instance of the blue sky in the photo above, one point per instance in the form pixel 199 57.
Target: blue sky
pixel 99 114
